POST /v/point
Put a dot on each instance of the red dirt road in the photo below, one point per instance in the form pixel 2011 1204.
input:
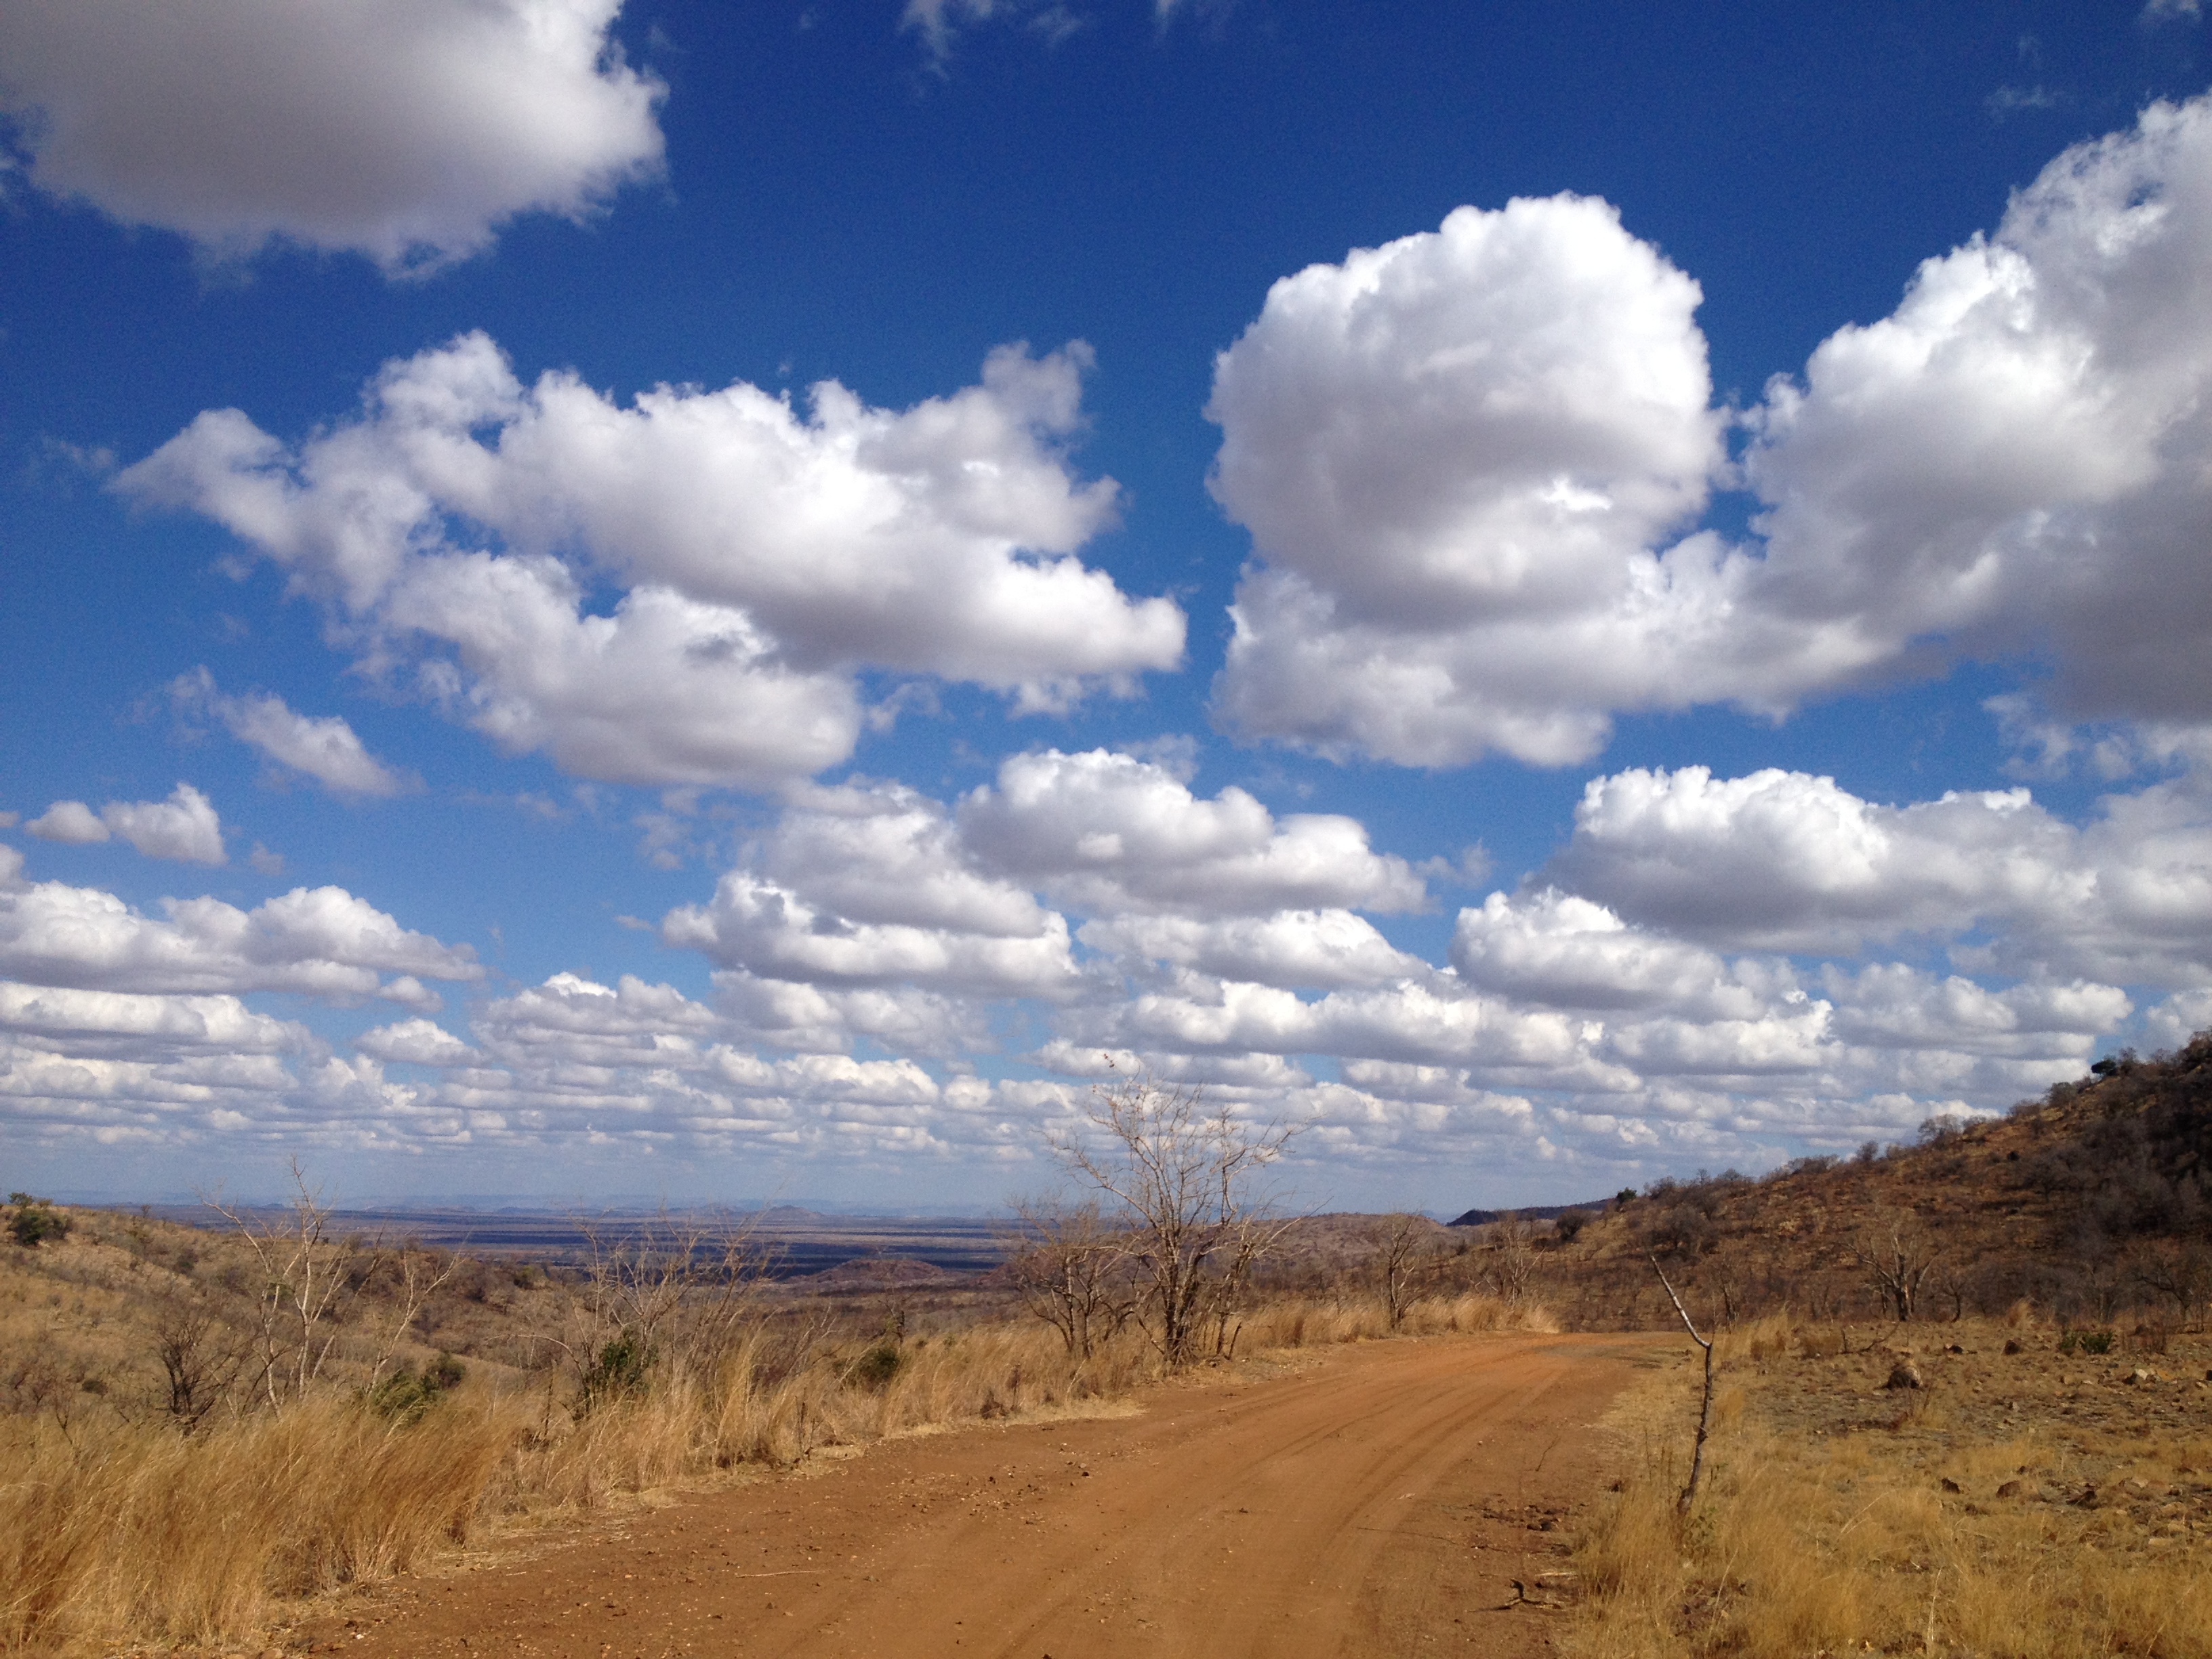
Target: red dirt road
pixel 1380 1499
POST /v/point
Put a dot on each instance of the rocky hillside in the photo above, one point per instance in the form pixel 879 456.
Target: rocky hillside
pixel 2090 1203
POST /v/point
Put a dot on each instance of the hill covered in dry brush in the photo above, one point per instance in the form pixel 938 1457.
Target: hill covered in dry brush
pixel 2091 1204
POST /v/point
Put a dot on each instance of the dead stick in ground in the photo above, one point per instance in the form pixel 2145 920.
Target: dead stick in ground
pixel 1705 1408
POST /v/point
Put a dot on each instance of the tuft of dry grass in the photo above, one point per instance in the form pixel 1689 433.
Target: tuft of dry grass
pixel 2023 1505
pixel 138 1531
pixel 1307 1321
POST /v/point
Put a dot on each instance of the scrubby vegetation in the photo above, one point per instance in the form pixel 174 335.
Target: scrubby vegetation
pixel 2089 1205
pixel 1965 1404
pixel 1982 1488
pixel 200 1426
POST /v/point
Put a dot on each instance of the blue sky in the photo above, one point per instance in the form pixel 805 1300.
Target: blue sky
pixel 694 601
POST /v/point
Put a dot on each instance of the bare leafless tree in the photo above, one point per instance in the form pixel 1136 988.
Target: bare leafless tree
pixel 1184 1178
pixel 1897 1254
pixel 417 1274
pixel 1071 1270
pixel 2179 1270
pixel 303 1280
pixel 1404 1252
pixel 1705 1404
pixel 670 1296
pixel 200 1355
pixel 1510 1256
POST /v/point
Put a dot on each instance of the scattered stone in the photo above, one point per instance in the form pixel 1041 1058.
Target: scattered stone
pixel 1904 1375
pixel 1954 1348
pixel 2139 1375
pixel 2087 1500
pixel 1949 1485
pixel 2010 1489
pixel 2012 1345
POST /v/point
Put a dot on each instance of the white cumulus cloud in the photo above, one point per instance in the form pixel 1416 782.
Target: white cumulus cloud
pixel 321 941
pixel 1785 860
pixel 407 131
pixel 1462 457
pixel 185 827
pixel 1108 832
pixel 1453 452
pixel 463 524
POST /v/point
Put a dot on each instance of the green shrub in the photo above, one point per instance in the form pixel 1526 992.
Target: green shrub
pixel 619 1369
pixel 35 1221
pixel 874 1368
pixel 405 1394
pixel 2086 1342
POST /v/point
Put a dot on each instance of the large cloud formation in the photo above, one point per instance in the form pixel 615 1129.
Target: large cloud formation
pixel 1461 456
pixel 1716 970
pixel 407 131
pixel 127 1027
pixel 462 527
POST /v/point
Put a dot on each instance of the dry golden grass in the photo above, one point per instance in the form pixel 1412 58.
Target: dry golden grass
pixel 2037 1504
pixel 137 1532
pixel 1304 1322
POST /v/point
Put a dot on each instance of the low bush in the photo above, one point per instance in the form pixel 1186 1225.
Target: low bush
pixel 407 1394
pixel 35 1221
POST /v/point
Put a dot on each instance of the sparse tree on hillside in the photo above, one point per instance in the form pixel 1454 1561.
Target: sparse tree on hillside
pixel 1071 1271
pixel 303 1278
pixel 1401 1247
pixel 1509 1250
pixel 198 1353
pixel 1184 1179
pixel 667 1299
pixel 2180 1270
pixel 1899 1254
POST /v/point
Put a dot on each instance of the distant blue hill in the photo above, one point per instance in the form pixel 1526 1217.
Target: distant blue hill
pixel 1527 1212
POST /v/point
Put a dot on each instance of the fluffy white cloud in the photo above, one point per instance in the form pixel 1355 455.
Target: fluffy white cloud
pixel 1108 832
pixel 1556 950
pixel 324 748
pixel 2179 1017
pixel 1783 860
pixel 1288 949
pixel 767 929
pixel 1890 1005
pixel 1600 1031
pixel 96 1021
pixel 782 1013
pixel 2017 457
pixel 406 131
pixel 415 1043
pixel 1454 452
pixel 573 1056
pixel 870 887
pixel 70 822
pixel 1461 456
pixel 322 941
pixel 762 557
pixel 185 827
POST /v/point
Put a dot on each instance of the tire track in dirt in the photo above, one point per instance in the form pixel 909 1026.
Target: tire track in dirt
pixel 1378 1500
